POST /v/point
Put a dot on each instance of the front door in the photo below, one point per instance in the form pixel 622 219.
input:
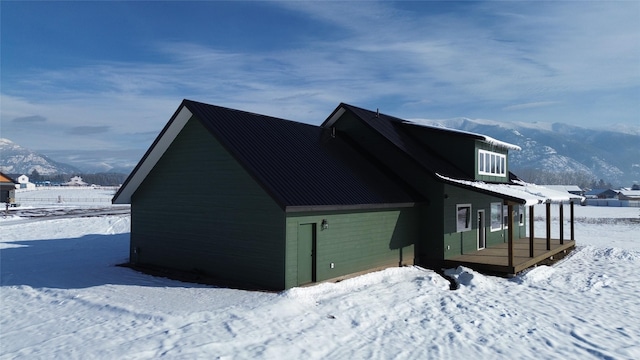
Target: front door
pixel 482 231
pixel 306 253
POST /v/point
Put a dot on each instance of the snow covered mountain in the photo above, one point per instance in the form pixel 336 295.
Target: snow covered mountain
pixel 561 153
pixel 551 153
pixel 14 159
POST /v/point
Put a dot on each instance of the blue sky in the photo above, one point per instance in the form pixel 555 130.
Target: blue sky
pixel 108 75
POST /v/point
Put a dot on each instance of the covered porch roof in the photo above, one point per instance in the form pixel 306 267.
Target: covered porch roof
pixel 518 191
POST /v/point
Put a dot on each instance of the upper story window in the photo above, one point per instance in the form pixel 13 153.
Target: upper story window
pixel 491 163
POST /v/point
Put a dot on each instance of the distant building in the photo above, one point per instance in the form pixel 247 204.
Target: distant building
pixel 571 189
pixel 7 189
pixel 24 183
pixel 75 181
pixel 629 195
pixel 601 194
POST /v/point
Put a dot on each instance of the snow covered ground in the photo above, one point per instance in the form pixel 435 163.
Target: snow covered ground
pixel 63 297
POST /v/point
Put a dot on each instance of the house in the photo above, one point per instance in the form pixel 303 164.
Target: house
pixel 601 194
pixel 288 204
pixel 7 189
pixel 75 181
pixel 633 195
pixel 24 183
pixel 571 189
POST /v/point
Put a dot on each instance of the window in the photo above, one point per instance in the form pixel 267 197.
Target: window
pixel 463 217
pixel 490 163
pixel 496 216
pixel 505 216
pixel 521 214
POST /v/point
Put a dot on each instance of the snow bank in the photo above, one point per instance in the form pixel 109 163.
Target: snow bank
pixel 62 296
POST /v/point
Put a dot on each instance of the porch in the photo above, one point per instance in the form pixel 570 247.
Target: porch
pixel 495 259
pixel 518 254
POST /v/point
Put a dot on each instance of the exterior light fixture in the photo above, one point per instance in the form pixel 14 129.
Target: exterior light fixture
pixel 324 224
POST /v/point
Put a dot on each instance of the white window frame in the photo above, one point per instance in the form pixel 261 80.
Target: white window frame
pixel 467 222
pixel 492 163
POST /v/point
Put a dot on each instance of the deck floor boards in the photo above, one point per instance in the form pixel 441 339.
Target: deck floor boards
pixel 494 259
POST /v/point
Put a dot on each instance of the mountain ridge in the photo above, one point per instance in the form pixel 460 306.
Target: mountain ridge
pixel 558 148
pixel 551 153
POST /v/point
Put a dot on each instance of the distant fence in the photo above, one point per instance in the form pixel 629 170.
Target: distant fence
pixel 612 202
pixel 62 200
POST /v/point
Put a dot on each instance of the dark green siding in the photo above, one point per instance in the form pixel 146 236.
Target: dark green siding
pixel 456 243
pixel 354 241
pixel 198 209
pixel 453 147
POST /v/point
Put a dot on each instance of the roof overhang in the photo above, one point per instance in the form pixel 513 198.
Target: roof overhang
pixel 337 113
pixel 320 208
pixel 153 154
pixel 518 192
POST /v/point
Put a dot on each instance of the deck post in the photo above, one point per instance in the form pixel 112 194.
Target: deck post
pixel 511 229
pixel 561 223
pixel 531 236
pixel 548 226
pixel 572 218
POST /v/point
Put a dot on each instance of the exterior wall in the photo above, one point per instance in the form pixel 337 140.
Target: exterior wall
pixel 455 148
pixel 354 241
pixel 457 243
pixel 226 227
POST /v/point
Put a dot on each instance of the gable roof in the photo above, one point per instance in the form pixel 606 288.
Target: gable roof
pixel 394 130
pixel 302 167
pixel 398 132
pixel 6 179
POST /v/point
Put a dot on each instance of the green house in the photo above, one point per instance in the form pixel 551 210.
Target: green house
pixel 268 203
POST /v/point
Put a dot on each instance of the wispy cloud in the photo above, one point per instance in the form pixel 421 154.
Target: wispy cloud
pixel 413 59
pixel 531 105
pixel 88 130
pixel 29 119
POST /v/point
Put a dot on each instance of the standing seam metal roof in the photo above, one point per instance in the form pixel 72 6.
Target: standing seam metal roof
pixel 398 132
pixel 299 164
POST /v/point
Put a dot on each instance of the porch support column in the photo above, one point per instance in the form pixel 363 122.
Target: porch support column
pixel 510 231
pixel 561 223
pixel 531 236
pixel 572 218
pixel 548 226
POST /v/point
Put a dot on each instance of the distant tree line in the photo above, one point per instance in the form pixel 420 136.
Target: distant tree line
pixel 581 179
pixel 104 179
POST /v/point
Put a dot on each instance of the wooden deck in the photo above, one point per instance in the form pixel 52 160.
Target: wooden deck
pixel 495 259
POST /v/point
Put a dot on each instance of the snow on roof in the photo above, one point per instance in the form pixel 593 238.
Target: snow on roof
pixel 485 138
pixel 529 194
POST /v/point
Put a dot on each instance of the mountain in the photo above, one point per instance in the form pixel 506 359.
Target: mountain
pixel 15 159
pixel 552 153
pixel 561 153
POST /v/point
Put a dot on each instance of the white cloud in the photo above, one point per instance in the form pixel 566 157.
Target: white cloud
pixel 477 60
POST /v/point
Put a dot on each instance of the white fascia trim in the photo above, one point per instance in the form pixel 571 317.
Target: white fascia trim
pixel 154 155
pixel 335 117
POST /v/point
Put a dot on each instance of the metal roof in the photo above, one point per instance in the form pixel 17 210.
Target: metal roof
pixel 398 132
pixel 303 167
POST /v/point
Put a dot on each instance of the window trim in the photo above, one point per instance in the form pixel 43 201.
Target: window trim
pixel 492 163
